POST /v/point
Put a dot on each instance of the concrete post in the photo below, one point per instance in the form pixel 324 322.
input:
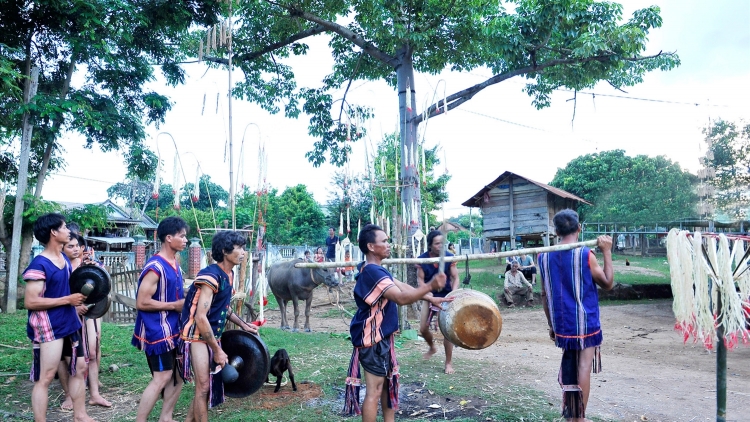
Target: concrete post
pixel 194 257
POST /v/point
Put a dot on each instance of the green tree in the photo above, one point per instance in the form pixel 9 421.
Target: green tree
pixel 636 190
pixel 195 219
pixel 555 43
pixel 356 192
pixel 467 220
pixel 294 218
pixel 363 191
pixel 729 156
pixel 210 195
pixel 89 216
pixel 113 46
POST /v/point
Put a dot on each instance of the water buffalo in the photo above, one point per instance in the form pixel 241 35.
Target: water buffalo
pixel 290 283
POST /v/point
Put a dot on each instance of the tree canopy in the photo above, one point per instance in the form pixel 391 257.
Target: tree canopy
pixel 635 190
pixel 114 47
pixel 728 154
pixel 553 44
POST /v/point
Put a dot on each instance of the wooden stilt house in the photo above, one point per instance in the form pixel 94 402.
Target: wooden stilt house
pixel 515 206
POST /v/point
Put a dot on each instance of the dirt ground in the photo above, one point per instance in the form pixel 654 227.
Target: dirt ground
pixel 648 374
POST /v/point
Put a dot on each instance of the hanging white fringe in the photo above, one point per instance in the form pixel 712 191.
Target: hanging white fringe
pixel 702 271
pixel 705 330
pixel 732 316
pixel 176 181
pixel 157 179
pixel 196 186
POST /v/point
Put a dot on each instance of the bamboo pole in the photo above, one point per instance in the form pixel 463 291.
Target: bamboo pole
pixel 456 258
pixel 721 369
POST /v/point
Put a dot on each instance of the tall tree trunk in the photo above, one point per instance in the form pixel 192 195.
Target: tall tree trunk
pixel 410 193
pixel 64 89
pixel 28 235
pixel 13 270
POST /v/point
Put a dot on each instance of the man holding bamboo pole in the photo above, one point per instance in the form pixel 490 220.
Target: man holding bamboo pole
pixel 377 293
pixel 571 304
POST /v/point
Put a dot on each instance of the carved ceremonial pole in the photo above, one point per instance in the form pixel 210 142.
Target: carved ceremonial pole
pixel 496 255
pixel 229 99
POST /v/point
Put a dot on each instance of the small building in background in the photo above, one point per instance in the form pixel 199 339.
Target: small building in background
pixel 518 208
pixel 451 227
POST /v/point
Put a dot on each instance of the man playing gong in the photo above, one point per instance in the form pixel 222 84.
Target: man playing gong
pixel 204 315
pixel 572 308
pixel 432 301
pixel 377 293
pixel 159 299
pixel 53 325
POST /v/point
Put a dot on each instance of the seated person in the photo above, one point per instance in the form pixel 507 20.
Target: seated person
pixel 319 255
pixel 527 267
pixel 308 257
pixel 516 284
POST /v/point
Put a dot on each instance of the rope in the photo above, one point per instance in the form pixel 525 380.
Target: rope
pixel 273 384
pixel 340 307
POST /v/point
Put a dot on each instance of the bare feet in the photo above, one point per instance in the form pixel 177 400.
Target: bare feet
pixel 428 354
pixel 99 401
pixel 67 404
pixel 84 418
pixel 449 368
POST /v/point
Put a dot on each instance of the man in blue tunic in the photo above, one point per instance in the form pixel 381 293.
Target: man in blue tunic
pixel 159 300
pixel 53 325
pixel 377 293
pixel 571 304
pixel 432 301
pixel 204 316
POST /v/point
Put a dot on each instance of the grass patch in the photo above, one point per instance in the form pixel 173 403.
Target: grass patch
pixel 480 263
pixel 641 279
pixel 318 358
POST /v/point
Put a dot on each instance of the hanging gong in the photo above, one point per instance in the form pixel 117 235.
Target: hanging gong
pixel 471 321
pixel 92 281
pixel 248 354
pixel 98 309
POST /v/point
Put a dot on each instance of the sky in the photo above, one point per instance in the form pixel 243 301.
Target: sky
pixel 497 131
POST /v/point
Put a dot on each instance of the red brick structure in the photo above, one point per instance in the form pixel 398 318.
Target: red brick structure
pixel 194 257
pixel 139 247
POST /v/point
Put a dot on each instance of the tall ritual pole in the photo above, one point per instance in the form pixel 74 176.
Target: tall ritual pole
pixel 231 151
pixel 721 368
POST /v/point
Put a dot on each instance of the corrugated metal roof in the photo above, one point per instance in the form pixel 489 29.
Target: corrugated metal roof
pixel 475 200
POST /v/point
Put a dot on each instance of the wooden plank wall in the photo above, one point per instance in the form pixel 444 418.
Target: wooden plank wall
pixel 530 208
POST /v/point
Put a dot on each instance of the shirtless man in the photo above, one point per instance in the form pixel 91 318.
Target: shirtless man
pixel 159 300
pixel 204 316
pixel 53 324
pixel 432 301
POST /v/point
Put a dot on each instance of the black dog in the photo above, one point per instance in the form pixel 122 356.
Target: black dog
pixel 279 363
